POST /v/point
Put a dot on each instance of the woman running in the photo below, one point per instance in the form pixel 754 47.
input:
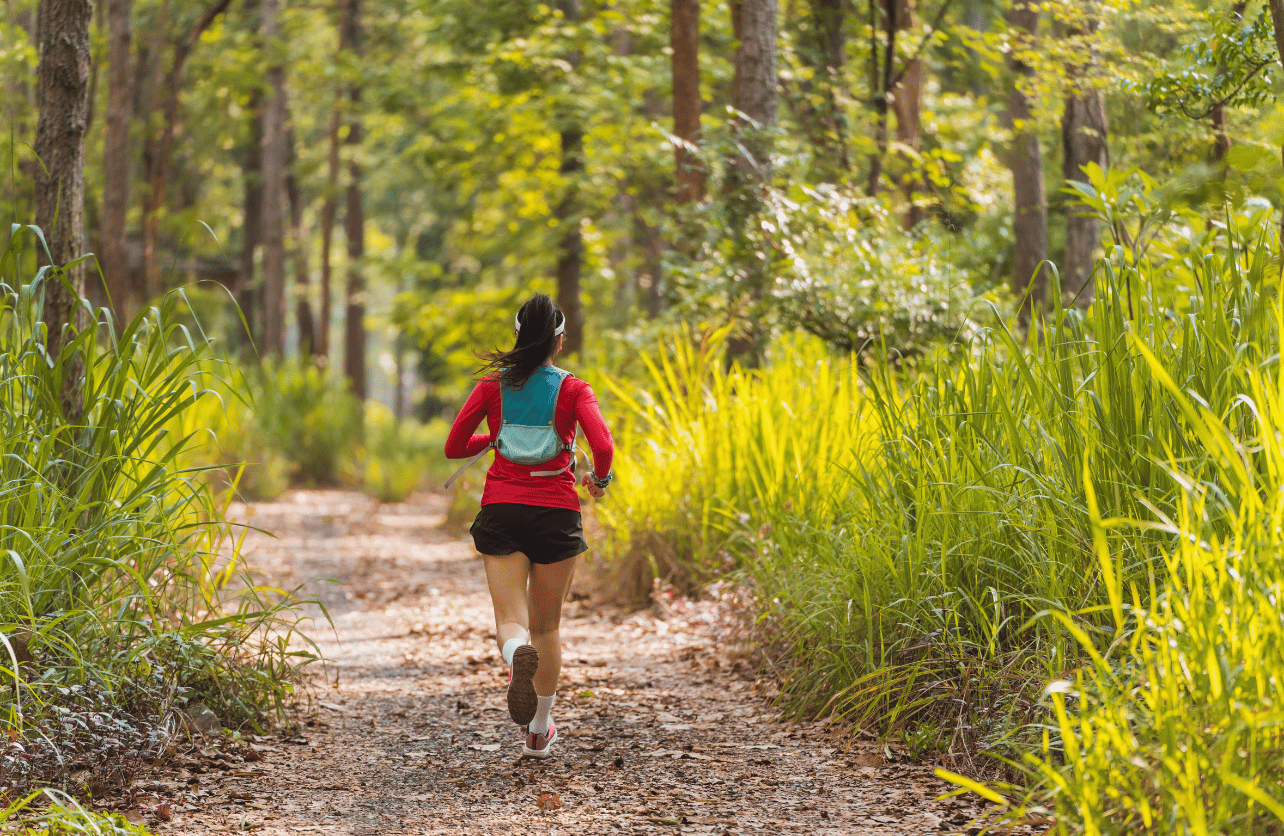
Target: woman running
pixel 528 531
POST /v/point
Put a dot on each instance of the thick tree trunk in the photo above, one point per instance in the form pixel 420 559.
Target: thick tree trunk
pixel 113 258
pixel 754 94
pixel 1025 158
pixel 1083 139
pixel 273 156
pixel 62 91
pixel 251 212
pixel 907 102
pixel 302 278
pixel 570 258
pixel 684 38
pixel 327 229
pixel 354 327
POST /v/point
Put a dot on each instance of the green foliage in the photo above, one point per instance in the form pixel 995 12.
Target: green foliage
pixel 904 567
pixel 117 577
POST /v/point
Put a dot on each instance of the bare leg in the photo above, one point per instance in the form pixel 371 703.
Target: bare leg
pixel 548 587
pixel 507 577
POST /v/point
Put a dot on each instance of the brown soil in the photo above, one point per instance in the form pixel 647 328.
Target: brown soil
pixel 664 730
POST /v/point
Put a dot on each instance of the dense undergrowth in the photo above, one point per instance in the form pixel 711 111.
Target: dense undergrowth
pixel 932 545
pixel 122 600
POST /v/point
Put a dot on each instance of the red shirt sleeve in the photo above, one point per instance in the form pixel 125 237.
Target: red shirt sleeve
pixel 589 416
pixel 483 402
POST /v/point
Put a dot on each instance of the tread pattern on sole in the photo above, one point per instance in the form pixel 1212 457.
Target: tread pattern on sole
pixel 522 701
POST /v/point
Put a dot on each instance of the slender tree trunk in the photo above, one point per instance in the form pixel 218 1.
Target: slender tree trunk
pixel 1084 141
pixel 354 332
pixel 754 94
pixel 907 101
pixel 158 174
pixel 570 257
pixel 327 229
pixel 818 109
pixel 1222 140
pixel 251 211
pixel 62 91
pixel 1025 158
pixel 273 156
pixel 302 278
pixel 684 38
pixel 114 258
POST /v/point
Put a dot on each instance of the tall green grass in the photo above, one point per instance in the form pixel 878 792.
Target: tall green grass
pixel 121 588
pixel 903 574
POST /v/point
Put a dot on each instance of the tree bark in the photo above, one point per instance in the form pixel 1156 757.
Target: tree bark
pixel 570 257
pixel 113 257
pixel 1083 141
pixel 302 278
pixel 251 213
pixel 158 167
pixel 684 38
pixel 1025 158
pixel 1222 140
pixel 354 330
pixel 754 94
pixel 62 92
pixel 906 100
pixel 327 228
pixel 273 156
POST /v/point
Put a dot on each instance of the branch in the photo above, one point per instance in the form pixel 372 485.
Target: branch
pixel 1224 99
pixel 922 44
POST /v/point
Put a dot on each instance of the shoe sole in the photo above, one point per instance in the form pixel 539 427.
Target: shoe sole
pixel 522 701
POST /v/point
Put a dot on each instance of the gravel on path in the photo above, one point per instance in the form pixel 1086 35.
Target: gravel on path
pixel 663 731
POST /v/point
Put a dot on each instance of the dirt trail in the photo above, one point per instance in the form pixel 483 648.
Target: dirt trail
pixel 662 734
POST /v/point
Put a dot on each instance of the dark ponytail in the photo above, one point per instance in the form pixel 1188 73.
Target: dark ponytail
pixel 536 339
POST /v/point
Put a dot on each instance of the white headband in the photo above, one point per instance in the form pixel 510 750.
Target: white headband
pixel 557 333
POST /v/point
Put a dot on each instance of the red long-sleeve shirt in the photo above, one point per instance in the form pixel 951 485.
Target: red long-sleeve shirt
pixel 508 482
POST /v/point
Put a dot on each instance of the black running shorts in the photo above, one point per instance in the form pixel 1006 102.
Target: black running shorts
pixel 545 535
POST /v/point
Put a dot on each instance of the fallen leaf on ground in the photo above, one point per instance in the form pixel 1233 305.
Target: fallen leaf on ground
pixel 164 812
pixel 484 747
pixel 549 802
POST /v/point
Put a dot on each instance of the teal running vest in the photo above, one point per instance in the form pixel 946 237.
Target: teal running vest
pixel 527 435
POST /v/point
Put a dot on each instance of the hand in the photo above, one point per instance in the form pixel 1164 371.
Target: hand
pixel 594 490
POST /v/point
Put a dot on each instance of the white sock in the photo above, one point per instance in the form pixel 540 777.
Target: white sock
pixel 510 647
pixel 543 710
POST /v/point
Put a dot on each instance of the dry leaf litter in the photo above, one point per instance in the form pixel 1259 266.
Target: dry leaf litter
pixel 663 727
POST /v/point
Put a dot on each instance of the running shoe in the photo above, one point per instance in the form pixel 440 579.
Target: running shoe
pixel 522 701
pixel 539 745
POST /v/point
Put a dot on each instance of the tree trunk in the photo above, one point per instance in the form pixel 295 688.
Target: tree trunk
pixel 113 257
pixel 1083 141
pixel 1025 158
pixel 327 228
pixel 754 94
pixel 62 91
pixel 570 258
pixel 818 109
pixel 880 79
pixel 273 156
pixel 158 169
pixel 354 327
pixel 1222 140
pixel 906 95
pixel 251 212
pixel 684 38
pixel 302 279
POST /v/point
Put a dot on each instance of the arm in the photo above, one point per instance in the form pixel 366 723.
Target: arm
pixel 461 442
pixel 589 415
